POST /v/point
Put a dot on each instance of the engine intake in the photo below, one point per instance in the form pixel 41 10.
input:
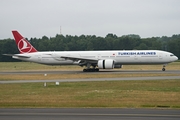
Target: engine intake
pixel 106 64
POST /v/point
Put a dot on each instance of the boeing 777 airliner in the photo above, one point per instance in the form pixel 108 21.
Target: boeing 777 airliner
pixel 92 60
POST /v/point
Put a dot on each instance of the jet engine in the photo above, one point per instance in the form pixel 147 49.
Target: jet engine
pixel 106 64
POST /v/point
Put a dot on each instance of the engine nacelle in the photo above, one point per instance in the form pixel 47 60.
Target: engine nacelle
pixel 118 66
pixel 106 64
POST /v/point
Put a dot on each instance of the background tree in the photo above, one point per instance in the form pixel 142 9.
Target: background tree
pixel 92 42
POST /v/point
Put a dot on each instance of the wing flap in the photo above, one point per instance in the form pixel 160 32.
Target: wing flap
pixel 75 58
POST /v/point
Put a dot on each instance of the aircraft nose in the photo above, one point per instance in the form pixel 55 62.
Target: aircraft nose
pixel 176 58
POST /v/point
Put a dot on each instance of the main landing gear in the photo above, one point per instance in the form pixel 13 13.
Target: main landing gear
pixel 91 70
pixel 163 69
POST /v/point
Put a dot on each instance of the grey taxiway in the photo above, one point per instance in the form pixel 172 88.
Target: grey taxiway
pixel 89 114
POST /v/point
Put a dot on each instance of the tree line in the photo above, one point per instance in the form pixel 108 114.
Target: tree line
pixel 92 42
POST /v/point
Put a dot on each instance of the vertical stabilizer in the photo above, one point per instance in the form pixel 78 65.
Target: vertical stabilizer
pixel 23 45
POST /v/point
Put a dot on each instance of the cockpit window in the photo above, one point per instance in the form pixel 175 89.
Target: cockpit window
pixel 171 55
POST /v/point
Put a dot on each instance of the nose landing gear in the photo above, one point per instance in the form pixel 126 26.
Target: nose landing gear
pixel 163 69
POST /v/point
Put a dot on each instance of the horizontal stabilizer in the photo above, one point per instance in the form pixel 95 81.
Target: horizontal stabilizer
pixel 18 55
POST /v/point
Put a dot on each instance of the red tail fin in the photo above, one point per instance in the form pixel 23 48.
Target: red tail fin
pixel 23 45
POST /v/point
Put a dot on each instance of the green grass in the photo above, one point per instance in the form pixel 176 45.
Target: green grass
pixel 136 94
pixel 21 66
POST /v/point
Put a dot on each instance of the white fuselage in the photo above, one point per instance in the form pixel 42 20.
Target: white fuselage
pixel 120 57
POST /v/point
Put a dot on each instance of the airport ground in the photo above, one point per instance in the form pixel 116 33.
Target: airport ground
pixel 109 94
pixel 128 87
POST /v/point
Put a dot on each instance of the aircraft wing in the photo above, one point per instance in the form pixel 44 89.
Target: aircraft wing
pixel 18 55
pixel 75 58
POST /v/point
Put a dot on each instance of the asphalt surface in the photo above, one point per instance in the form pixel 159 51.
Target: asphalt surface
pixel 100 72
pixel 89 114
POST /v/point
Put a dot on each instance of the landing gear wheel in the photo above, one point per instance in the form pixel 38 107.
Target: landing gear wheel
pixel 91 70
pixel 163 69
pixel 84 70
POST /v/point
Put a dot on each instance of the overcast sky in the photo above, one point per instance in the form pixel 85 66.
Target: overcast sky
pixel 36 18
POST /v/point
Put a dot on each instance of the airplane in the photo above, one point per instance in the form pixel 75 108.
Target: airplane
pixel 92 60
